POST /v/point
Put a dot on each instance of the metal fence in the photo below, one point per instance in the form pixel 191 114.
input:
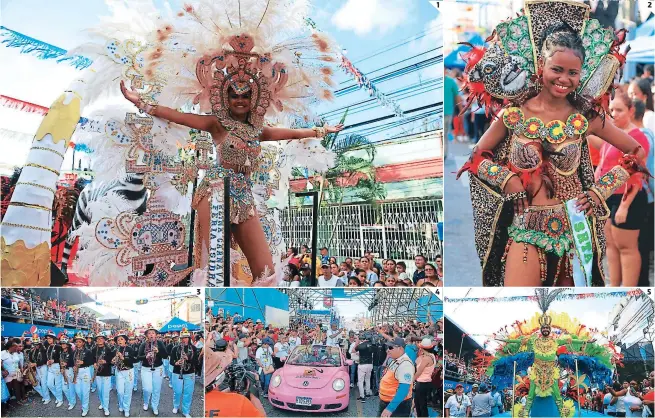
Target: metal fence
pixel 398 230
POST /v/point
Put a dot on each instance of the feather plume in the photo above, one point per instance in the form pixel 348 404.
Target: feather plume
pixel 545 297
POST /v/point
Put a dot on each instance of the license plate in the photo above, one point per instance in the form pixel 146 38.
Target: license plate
pixel 303 401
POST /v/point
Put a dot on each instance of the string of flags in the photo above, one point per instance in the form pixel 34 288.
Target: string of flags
pixel 561 296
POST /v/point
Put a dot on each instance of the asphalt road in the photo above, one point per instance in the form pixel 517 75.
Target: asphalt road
pixel 461 262
pixel 355 409
pixel 35 408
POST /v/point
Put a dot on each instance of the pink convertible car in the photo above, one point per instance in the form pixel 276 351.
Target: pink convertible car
pixel 314 379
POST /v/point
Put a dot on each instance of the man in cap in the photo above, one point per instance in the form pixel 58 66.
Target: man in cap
pixel 458 405
pixel 481 404
pixel 183 360
pixel 474 391
pixel 264 357
pixel 305 275
pixel 152 353
pixel 124 360
pixel 102 358
pixel 82 366
pixel 67 363
pixel 327 279
pixel 224 403
pixel 396 384
pixel 54 378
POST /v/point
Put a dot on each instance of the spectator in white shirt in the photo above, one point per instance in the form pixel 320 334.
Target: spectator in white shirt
pixel 333 335
pixel 327 279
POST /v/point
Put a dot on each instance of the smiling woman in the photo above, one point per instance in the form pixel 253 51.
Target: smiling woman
pixel 531 176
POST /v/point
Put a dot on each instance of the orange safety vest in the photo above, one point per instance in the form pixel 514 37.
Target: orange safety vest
pixel 389 384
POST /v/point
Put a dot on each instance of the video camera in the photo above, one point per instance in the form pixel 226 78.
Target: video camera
pixel 239 379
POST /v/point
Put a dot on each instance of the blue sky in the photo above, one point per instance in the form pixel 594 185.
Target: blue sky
pixel 362 27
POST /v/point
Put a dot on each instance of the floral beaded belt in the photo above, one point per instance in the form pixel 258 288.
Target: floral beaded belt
pixel 545 227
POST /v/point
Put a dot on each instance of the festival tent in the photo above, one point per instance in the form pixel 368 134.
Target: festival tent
pixel 176 324
pixel 454 59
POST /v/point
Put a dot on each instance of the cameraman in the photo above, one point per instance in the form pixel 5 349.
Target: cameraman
pixel 231 391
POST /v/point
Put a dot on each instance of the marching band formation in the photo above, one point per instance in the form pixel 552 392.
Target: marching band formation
pixel 58 367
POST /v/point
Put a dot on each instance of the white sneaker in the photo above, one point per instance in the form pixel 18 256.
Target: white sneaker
pixel 170 385
pixel 145 407
pixel 93 391
pixel 58 404
pixel 100 407
pixel 84 413
pixel 46 402
pixel 154 411
pixel 175 410
pixel 134 390
pixel 127 414
pixel 187 416
pixel 71 407
pixel 106 412
pixel 120 409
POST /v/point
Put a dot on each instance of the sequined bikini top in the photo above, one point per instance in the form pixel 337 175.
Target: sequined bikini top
pixel 531 137
pixel 240 148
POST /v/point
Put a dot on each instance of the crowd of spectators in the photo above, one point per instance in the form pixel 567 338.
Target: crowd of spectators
pixel 364 271
pixel 456 368
pixel 265 348
pixel 26 305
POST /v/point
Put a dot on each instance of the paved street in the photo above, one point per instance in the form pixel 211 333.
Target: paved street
pixel 461 263
pixel 35 408
pixel 355 409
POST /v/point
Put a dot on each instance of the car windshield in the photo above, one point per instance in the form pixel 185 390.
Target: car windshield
pixel 315 355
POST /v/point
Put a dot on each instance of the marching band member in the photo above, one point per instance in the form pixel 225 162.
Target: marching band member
pixel 54 379
pixel 67 363
pixel 37 363
pixel 183 359
pixel 83 364
pixel 91 345
pixel 151 355
pixel 124 360
pixel 169 348
pixel 167 360
pixel 134 345
pixel 103 355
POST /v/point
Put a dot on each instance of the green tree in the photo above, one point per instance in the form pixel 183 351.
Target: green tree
pixel 353 164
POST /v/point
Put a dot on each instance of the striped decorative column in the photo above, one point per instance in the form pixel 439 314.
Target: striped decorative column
pixel 25 229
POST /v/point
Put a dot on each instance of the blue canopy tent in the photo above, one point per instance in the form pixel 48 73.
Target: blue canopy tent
pixel 176 325
pixel 454 59
pixel 641 48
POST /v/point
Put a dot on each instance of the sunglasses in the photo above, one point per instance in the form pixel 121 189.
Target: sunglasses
pixel 391 347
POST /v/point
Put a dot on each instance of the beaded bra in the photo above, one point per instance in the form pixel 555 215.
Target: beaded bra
pixel 555 131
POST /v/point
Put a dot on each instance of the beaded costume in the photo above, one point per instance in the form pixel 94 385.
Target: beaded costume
pixel 554 154
pixel 542 358
pixel 189 60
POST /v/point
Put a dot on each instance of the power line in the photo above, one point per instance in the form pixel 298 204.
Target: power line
pixel 416 37
pixel 393 116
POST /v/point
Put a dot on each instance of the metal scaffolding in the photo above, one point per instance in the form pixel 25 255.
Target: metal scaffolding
pixel 403 304
pixel 383 305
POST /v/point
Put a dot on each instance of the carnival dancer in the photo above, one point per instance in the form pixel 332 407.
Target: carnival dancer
pixel 183 360
pixel 134 345
pixel 151 355
pixel 102 361
pixel 54 378
pixel 29 372
pixel 549 352
pixel 242 76
pixel 67 362
pixel 531 176
pixel 83 364
pixel 124 361
pixel 38 364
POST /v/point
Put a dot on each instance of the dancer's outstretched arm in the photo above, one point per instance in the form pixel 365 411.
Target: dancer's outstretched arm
pixel 207 123
pixel 281 134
